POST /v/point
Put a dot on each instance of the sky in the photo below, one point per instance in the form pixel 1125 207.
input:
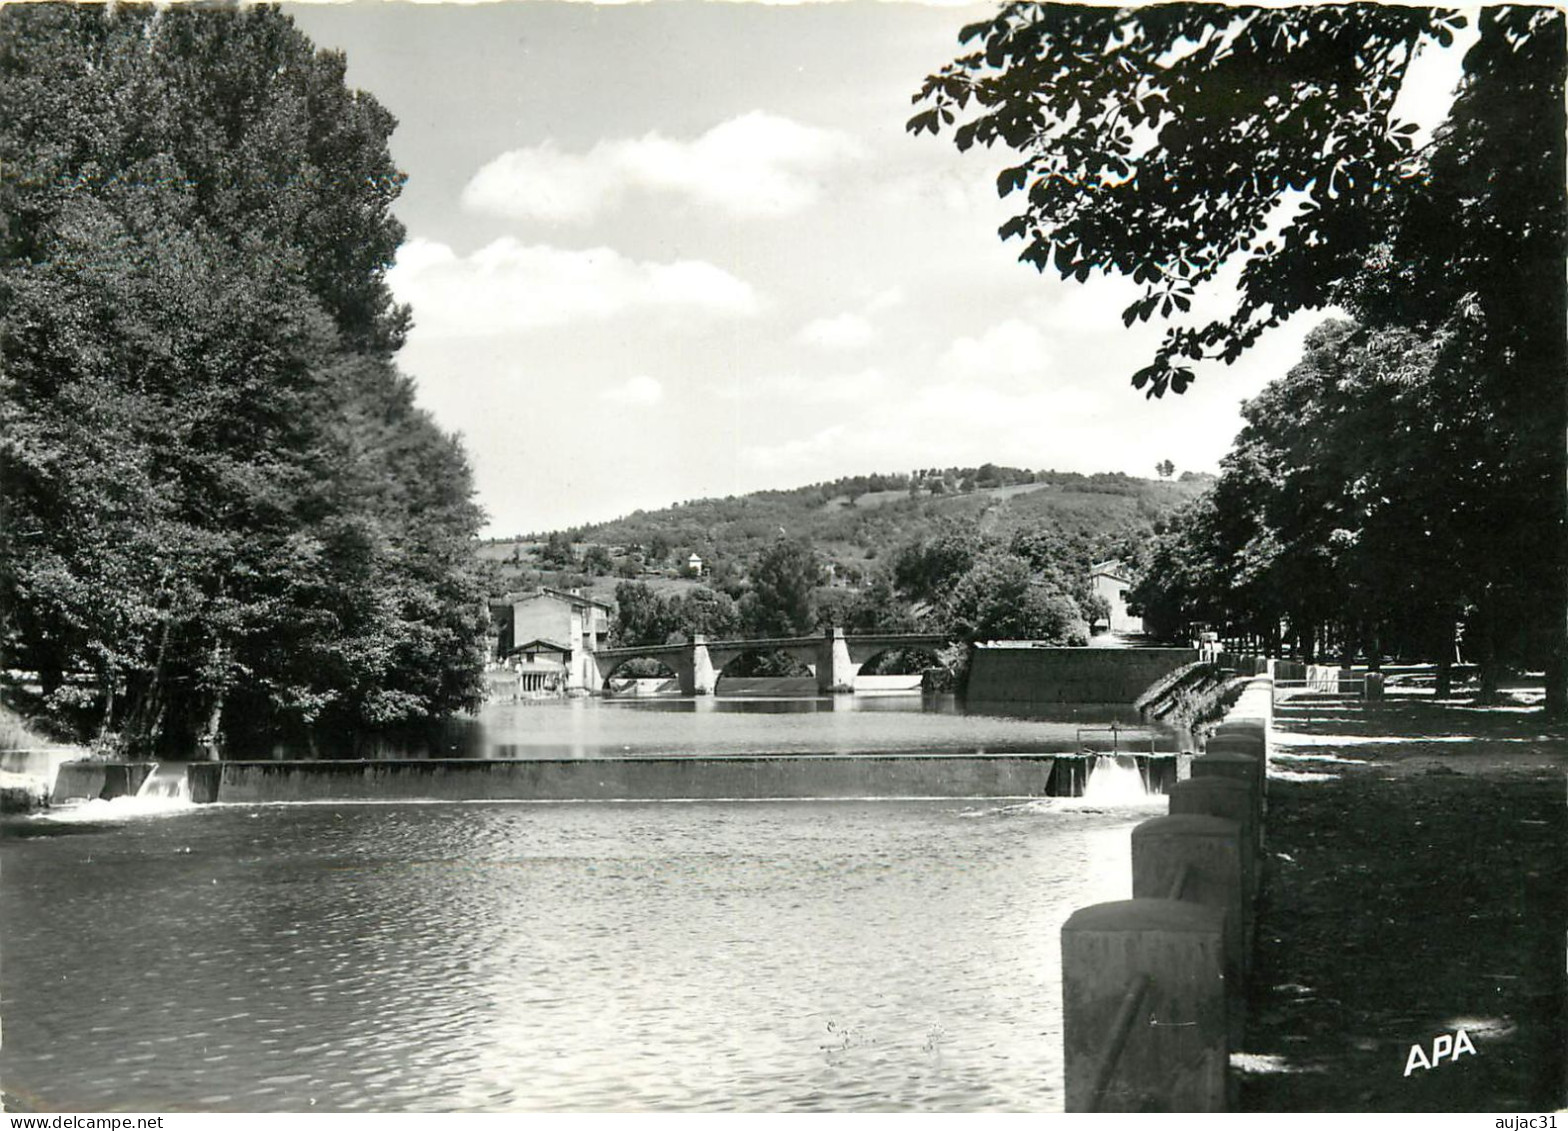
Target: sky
pixel 679 249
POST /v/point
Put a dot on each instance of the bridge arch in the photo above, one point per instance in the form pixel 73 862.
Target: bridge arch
pixel 639 667
pixel 901 659
pixel 763 662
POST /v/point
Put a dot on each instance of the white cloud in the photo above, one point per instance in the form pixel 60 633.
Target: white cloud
pixel 507 287
pixel 886 300
pixel 844 331
pixel 812 389
pixel 1011 348
pixel 639 390
pixel 757 164
pixel 542 183
pixel 824 448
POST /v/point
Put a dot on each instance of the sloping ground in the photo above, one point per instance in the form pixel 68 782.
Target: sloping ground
pixel 1416 884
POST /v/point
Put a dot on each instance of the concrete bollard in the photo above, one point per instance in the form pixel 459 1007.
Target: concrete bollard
pixel 1226 760
pixel 1205 860
pixel 1249 745
pixel 1218 797
pixel 1143 1007
pixel 1230 766
pixel 1241 726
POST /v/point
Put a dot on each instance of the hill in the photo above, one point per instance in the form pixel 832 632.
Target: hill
pixel 852 522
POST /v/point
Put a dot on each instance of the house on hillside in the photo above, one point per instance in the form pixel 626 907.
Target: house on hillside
pixel 1111 580
pixel 552 626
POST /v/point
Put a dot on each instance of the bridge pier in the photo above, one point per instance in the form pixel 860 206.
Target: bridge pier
pixel 835 670
pixel 697 675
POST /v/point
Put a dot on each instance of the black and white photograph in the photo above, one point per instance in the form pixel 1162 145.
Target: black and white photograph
pixel 817 556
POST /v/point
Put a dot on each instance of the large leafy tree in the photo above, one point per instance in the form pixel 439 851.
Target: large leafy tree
pixel 1188 145
pixel 220 500
pixel 784 581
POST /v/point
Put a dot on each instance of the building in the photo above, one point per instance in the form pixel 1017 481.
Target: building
pixel 551 626
pixel 694 564
pixel 1111 581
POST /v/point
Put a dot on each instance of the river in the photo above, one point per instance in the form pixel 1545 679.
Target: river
pixel 758 956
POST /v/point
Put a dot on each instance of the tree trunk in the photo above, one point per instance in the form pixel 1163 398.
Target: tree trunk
pixel 207 746
pixel 107 725
pixel 145 723
pixel 1445 677
pixel 1486 650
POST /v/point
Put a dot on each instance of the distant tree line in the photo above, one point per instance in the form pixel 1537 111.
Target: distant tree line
pixel 224 518
pixel 1031 585
pixel 1377 502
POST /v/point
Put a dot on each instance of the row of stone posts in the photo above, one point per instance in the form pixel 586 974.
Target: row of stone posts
pixel 1154 987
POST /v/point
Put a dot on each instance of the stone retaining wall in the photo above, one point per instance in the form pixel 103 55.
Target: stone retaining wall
pixel 1007 673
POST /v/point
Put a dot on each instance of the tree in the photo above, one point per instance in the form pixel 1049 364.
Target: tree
pixel 219 496
pixel 783 584
pixel 925 570
pixel 701 611
pixel 1174 142
pixel 1165 468
pixel 641 616
pixel 1001 598
pixel 645 616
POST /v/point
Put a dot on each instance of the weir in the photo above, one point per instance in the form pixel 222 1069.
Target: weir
pixel 1106 779
pixel 1113 780
pixel 168 781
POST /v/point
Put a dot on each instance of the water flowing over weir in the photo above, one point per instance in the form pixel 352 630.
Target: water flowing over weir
pixel 169 781
pixel 1113 780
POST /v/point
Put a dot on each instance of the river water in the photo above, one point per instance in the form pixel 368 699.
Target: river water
pixel 781 724
pixel 756 956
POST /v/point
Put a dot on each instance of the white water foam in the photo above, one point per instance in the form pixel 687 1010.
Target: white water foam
pixel 164 792
pixel 168 780
pixel 1114 781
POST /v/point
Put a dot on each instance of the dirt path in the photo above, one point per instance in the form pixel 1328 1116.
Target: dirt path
pixel 1416 883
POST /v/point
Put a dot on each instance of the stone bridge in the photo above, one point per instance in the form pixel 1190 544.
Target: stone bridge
pixel 834 658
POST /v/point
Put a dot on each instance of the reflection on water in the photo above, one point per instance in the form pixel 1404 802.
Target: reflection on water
pixel 762 956
pixel 717 725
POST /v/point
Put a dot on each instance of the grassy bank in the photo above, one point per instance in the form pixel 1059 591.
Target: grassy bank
pixel 1416 883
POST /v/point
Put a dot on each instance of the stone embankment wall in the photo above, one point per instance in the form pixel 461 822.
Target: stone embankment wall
pixel 1154 987
pixel 1006 673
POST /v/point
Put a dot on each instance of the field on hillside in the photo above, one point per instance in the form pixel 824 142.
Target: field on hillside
pixel 851 531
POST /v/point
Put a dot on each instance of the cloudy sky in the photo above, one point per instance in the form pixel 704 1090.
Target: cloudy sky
pixel 669 250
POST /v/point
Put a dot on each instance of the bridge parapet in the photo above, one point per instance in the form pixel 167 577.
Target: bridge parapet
pixel 834 657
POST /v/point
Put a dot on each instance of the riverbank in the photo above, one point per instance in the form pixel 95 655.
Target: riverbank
pixel 1415 884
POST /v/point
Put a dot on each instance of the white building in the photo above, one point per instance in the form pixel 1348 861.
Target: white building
pixel 1111 581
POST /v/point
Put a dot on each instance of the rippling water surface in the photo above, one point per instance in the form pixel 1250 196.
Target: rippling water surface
pixel 736 956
